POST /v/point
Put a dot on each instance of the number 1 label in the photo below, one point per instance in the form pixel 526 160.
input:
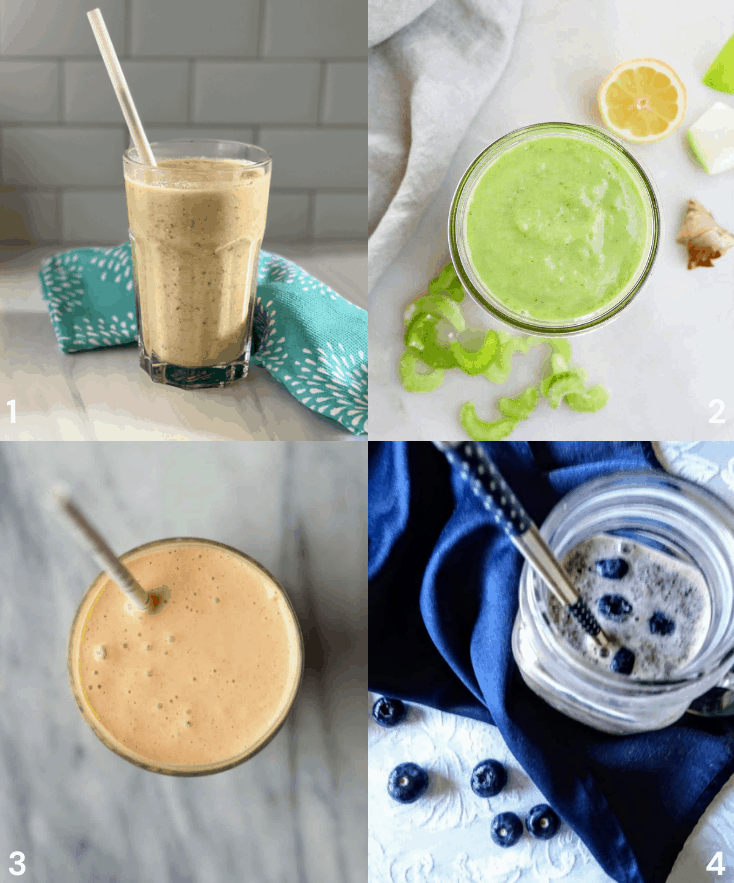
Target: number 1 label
pixel 11 405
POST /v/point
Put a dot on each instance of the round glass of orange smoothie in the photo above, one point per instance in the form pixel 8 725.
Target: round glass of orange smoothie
pixel 204 683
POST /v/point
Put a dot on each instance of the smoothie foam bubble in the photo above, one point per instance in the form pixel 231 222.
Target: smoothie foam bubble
pixel 659 608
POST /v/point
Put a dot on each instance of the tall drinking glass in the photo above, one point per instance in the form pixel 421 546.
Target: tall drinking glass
pixel 196 221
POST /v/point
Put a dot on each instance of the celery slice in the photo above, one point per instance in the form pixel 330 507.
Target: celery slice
pixel 593 399
pixel 437 305
pixel 475 362
pixel 421 337
pixel 447 282
pixel 563 384
pixel 416 375
pixel 480 430
pixel 521 407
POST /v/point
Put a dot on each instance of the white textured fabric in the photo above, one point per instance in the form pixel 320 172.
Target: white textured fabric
pixel 444 836
pixel 431 67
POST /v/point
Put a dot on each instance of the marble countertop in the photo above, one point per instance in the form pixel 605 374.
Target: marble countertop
pixel 104 394
pixel 295 812
pixel 667 356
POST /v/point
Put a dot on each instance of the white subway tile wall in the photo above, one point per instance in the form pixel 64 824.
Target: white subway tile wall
pixel 345 98
pixel 321 158
pixel 29 91
pixel 288 76
pixel 271 92
pixel 103 211
pixel 159 88
pixel 339 214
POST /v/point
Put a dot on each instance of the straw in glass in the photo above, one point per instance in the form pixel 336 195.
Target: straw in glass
pixel 104 555
pixel 112 63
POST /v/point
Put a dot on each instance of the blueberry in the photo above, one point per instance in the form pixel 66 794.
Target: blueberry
pixel 612 568
pixel 389 712
pixel 488 778
pixel 660 624
pixel 506 829
pixel 623 661
pixel 407 782
pixel 542 822
pixel 614 607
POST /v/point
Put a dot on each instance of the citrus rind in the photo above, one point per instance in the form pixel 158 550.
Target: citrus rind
pixel 642 100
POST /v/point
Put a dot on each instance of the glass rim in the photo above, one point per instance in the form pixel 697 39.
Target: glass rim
pixel 173 769
pixel 128 157
pixel 481 293
pixel 596 674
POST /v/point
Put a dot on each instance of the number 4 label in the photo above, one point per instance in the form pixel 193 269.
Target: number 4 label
pixel 716 864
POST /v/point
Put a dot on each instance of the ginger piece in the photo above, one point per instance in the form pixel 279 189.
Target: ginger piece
pixel 704 238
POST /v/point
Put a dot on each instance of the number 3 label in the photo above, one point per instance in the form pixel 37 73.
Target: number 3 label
pixel 18 862
pixel 716 864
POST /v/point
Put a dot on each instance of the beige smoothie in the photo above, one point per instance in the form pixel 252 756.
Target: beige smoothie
pixel 207 680
pixel 197 226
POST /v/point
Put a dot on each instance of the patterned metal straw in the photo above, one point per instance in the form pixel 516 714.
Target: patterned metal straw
pixel 497 498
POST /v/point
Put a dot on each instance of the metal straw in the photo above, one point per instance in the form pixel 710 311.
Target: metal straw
pixel 497 498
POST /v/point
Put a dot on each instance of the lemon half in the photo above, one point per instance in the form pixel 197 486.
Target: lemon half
pixel 642 100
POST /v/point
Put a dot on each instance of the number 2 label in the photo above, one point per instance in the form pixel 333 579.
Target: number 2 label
pixel 717 403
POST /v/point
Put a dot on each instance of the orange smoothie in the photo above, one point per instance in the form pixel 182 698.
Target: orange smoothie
pixel 204 683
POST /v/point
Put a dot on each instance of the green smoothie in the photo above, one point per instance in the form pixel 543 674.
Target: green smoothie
pixel 557 228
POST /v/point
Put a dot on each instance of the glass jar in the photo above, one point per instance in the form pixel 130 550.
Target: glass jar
pixel 281 705
pixel 668 514
pixel 458 214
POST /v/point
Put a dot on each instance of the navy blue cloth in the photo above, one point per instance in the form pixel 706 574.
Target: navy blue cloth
pixel 442 602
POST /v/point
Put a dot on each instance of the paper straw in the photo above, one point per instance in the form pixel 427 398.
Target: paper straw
pixel 102 553
pixel 112 63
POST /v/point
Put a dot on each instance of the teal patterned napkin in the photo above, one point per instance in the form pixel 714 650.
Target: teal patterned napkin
pixel 311 340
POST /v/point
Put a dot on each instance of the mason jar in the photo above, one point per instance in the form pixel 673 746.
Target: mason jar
pixel 684 521
pixel 461 256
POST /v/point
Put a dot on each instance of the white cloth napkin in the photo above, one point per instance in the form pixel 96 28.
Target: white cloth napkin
pixel 431 67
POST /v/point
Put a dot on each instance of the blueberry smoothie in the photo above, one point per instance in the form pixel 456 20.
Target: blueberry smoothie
pixel 656 607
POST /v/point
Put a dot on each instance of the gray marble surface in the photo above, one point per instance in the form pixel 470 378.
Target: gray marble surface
pixel 297 812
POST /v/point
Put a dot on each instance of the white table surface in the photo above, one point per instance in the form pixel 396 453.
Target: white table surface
pixel 105 395
pixel 296 812
pixel 667 356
